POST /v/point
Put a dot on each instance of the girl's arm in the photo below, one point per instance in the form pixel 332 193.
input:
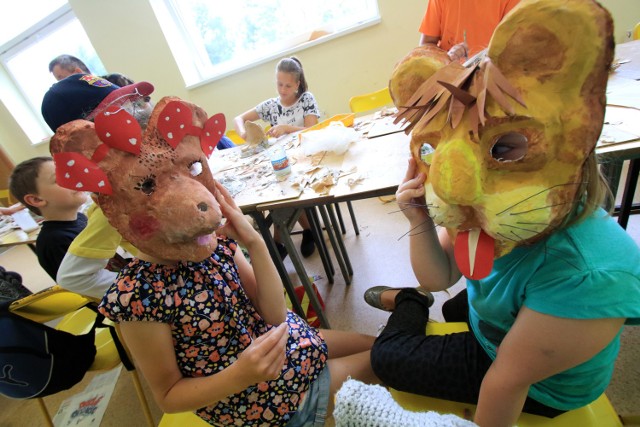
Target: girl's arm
pixel 151 346
pixel 260 279
pixel 238 121
pixel 279 130
pixel 537 347
pixel 431 252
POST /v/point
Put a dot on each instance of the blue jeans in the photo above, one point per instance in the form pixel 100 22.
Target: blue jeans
pixel 313 411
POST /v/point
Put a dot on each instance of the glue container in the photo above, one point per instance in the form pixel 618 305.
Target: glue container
pixel 280 163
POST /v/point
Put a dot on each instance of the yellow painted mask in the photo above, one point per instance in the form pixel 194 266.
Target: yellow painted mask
pixel 503 141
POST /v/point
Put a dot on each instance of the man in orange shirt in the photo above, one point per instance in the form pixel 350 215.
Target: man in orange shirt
pixel 462 27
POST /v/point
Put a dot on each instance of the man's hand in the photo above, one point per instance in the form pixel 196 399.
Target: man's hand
pixel 459 52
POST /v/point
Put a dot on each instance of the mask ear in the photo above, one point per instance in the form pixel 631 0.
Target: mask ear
pixel 76 151
pixel 557 53
pixel 413 70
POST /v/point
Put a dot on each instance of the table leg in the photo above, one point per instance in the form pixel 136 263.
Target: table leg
pixel 343 249
pixel 629 192
pixel 284 219
pixel 612 170
pixel 339 214
pixel 263 226
pixel 318 236
pixel 331 232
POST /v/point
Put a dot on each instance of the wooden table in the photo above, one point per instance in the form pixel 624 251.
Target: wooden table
pixel 370 167
pixel 620 138
pixel 19 237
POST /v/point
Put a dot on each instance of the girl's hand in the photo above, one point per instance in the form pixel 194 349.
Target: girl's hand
pixel 237 227
pixel 410 194
pixel 278 130
pixel 265 356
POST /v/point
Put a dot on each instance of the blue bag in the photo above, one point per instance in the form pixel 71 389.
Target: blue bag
pixel 37 360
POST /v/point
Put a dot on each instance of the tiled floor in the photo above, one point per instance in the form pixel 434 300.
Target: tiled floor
pixel 379 256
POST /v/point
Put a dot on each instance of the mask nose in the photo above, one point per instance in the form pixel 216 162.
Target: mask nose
pixel 455 172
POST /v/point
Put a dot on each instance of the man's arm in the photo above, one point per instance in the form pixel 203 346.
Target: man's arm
pixel 424 39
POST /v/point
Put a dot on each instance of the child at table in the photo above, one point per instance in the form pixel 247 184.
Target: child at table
pixel 33 183
pixel 293 110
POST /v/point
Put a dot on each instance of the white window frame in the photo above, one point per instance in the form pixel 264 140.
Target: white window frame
pixel 193 62
pixel 25 113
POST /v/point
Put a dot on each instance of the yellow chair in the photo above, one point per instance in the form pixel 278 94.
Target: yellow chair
pixel 599 413
pixel 233 136
pixel 370 101
pixel 56 302
pixel 48 304
pixel 182 419
pixel 636 32
pixel 6 198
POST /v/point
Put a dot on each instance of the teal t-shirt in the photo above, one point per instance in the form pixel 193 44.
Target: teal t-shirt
pixel 590 270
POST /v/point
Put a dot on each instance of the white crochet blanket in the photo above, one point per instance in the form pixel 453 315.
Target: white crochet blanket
pixel 361 405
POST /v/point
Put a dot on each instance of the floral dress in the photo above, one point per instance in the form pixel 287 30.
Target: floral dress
pixel 212 321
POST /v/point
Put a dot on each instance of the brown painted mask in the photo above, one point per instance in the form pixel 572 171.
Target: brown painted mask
pixel 503 141
pixel 156 189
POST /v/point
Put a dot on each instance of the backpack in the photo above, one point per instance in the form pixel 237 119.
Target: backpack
pixel 11 287
pixel 37 360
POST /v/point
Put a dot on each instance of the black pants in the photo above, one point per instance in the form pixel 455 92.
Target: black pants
pixel 447 367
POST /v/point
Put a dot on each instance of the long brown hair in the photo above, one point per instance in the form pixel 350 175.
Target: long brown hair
pixel 293 66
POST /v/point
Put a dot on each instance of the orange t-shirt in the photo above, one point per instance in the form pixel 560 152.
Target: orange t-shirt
pixel 449 19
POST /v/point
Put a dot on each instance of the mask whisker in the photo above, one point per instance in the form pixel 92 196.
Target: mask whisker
pixel 549 249
pixel 537 194
pixel 538 209
pixel 415 228
pixel 520 228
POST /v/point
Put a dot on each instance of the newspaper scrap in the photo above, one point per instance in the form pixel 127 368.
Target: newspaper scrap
pixel 87 408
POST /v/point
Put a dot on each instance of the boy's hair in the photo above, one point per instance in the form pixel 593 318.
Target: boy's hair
pixel 293 66
pixel 68 62
pixel 23 180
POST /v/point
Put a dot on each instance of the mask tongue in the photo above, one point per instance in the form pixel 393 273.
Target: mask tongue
pixel 474 251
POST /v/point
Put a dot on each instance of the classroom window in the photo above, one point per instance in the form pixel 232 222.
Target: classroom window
pixel 26 50
pixel 210 40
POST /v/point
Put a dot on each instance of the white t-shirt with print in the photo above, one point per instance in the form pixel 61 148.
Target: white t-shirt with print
pixel 273 112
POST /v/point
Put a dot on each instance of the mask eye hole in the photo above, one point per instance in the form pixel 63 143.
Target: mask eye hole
pixel 510 147
pixel 147 185
pixel 195 168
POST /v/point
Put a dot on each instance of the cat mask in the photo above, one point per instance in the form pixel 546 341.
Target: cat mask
pixel 503 141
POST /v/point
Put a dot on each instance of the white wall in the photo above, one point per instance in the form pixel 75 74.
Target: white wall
pixel 129 40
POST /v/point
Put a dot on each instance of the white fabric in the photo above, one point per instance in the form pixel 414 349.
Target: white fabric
pixel 362 405
pixel 85 276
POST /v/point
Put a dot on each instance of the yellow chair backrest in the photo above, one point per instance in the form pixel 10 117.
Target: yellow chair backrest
pixel 370 101
pixel 636 32
pixel 181 419
pixel 6 198
pixel 599 413
pixel 233 136
pixel 48 304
